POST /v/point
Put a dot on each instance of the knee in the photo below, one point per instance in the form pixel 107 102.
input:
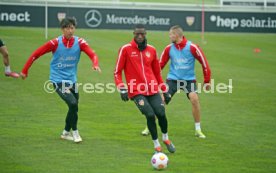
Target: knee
pixel 149 114
pixel 5 55
pixel 194 99
pixel 160 112
pixel 150 117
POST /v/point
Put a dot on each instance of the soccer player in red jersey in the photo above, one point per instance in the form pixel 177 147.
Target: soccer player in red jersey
pixel 140 64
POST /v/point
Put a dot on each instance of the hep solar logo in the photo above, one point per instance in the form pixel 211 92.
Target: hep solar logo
pixel 93 18
pixel 231 23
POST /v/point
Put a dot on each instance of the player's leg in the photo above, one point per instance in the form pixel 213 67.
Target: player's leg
pixel 76 135
pixel 71 121
pixel 158 106
pixel 5 54
pixel 75 108
pixel 146 109
pixel 172 84
pixel 191 92
pixel 69 97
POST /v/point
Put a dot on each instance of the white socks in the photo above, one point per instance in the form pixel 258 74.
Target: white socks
pixel 165 136
pixel 156 143
pixel 7 69
pixel 197 126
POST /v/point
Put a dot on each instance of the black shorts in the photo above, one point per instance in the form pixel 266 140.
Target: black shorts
pixel 187 86
pixel 1 43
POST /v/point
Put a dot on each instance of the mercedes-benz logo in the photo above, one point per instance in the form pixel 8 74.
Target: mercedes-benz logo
pixel 93 18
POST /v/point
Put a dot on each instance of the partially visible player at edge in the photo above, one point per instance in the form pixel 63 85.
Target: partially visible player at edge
pixel 6 60
pixel 140 64
pixel 183 54
pixel 66 50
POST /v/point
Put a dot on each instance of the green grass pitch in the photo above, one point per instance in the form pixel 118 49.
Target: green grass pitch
pixel 240 127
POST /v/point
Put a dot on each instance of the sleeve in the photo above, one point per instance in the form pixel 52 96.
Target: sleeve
pixel 157 72
pixel 47 47
pixel 89 52
pixel 165 56
pixel 199 55
pixel 120 65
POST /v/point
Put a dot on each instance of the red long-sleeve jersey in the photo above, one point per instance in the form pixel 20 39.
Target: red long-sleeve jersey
pixel 141 68
pixel 196 52
pixel 52 45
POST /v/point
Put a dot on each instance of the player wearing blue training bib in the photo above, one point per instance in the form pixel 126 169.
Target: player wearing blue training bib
pixel 66 50
pixel 182 54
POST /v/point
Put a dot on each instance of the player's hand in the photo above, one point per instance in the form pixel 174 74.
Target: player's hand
pixel 207 86
pixel 23 76
pixel 124 95
pixel 97 68
pixel 167 97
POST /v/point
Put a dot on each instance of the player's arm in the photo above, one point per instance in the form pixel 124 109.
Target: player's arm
pixel 120 65
pixel 199 55
pixel 90 53
pixel 165 56
pixel 166 97
pixel 47 47
pixel 157 72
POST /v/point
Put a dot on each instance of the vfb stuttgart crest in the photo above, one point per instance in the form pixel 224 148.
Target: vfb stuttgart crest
pixel 141 102
pixel 61 16
pixel 190 20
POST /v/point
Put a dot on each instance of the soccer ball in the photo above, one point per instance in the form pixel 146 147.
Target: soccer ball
pixel 159 161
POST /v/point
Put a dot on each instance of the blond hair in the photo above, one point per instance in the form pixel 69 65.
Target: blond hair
pixel 177 29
